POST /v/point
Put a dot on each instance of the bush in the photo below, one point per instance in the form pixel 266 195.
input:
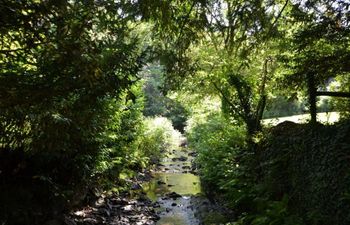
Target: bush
pixel 159 136
pixel 218 144
pixel 119 142
pixel 229 170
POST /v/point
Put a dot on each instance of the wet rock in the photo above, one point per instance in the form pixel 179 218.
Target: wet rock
pixel 133 202
pixel 155 217
pixel 205 203
pixel 117 210
pixel 115 200
pixel 193 154
pixel 144 176
pixel 128 208
pixel 90 221
pixel 160 182
pixel 141 204
pixel 156 205
pixel 182 158
pixel 104 212
pixel 183 143
pixel 173 195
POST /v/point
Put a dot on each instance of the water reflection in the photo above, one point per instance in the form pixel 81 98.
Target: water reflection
pixel 181 183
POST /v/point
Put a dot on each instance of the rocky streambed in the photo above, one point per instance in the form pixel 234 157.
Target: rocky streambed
pixel 117 209
pixel 173 187
pixel 171 195
pixel 176 188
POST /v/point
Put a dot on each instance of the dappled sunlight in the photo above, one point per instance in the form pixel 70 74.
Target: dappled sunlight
pixel 132 112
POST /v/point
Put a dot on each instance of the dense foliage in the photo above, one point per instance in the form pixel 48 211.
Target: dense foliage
pixel 71 105
pixel 282 177
pixel 157 103
pixel 294 175
pixel 78 79
pixel 159 137
pixel 218 143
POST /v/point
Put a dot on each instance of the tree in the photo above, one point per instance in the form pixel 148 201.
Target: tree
pixel 159 104
pixel 319 44
pixel 63 65
pixel 234 56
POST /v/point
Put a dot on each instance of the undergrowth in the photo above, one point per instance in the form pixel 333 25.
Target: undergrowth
pixel 292 175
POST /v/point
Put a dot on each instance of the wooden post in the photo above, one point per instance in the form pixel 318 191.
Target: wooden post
pixel 333 94
pixel 312 98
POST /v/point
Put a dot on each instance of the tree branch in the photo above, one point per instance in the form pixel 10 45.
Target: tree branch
pixel 278 16
pixel 186 19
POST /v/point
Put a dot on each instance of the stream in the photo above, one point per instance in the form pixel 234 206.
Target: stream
pixel 173 196
pixel 173 187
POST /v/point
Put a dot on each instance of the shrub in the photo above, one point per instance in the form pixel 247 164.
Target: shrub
pixel 218 144
pixel 159 136
pixel 229 170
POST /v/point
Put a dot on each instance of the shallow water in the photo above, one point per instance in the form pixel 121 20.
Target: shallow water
pixel 175 176
pixel 185 184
